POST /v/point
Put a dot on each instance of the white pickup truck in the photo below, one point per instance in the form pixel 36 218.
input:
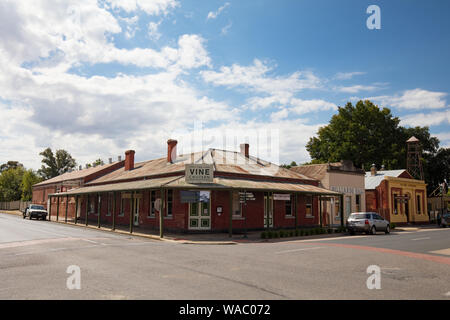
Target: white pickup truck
pixel 35 211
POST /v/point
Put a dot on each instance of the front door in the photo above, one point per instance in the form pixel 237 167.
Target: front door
pixel 268 210
pixel 199 216
pixel 136 212
pixel 348 207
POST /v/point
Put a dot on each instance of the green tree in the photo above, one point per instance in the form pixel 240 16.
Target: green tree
pixel 11 184
pixel 288 166
pixel 9 165
pixel 363 133
pixel 55 164
pixel 28 180
pixel 98 162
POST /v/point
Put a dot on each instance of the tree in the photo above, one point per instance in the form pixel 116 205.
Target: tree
pixel 55 164
pixel 11 184
pixel 9 165
pixel 367 134
pixel 98 162
pixel 28 180
pixel 363 133
pixel 288 166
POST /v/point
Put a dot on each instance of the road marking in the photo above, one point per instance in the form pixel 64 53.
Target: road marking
pixel 423 256
pixel 443 251
pixel 295 250
pixel 426 238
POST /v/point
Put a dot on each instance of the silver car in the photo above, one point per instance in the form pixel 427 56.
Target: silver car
pixel 368 222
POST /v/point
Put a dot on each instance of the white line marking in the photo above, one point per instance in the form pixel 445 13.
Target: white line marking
pixel 295 250
pixel 426 238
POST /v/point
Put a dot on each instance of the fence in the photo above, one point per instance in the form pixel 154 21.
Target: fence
pixel 14 205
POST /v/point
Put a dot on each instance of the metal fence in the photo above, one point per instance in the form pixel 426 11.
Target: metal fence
pixel 14 205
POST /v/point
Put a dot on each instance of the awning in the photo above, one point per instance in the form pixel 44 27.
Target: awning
pixel 247 184
pixel 122 186
pixel 219 183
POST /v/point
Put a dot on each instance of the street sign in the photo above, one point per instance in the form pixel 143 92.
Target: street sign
pixel 246 196
pixel 158 204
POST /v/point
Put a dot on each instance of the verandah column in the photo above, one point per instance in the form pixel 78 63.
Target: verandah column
pixel 114 212
pixel 341 208
pixel 57 208
pixel 320 211
pixel 87 208
pixel 99 208
pixel 49 208
pixel 230 231
pixel 67 208
pixel 161 214
pixel 295 196
pixel 76 209
pixel 131 211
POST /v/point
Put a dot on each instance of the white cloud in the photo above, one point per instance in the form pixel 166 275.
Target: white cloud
pixel 347 75
pixel 415 99
pixel 426 119
pixel 153 30
pixel 304 106
pixel 356 88
pixel 151 7
pixel 225 29
pixel 214 15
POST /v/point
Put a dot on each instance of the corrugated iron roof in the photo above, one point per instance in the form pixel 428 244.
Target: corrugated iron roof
pixel 123 186
pixel 218 183
pixel 223 161
pixel 371 182
pixel 77 174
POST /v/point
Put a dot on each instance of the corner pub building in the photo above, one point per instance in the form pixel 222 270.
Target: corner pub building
pixel 209 191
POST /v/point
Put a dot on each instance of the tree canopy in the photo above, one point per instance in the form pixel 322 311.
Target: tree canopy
pixel 367 134
pixel 11 184
pixel 55 164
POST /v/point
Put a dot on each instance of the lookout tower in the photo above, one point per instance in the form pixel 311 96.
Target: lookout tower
pixel 413 160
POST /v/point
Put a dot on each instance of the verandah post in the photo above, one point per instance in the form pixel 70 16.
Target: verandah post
pixel 99 201
pixel 76 208
pixel 57 208
pixel 67 208
pixel 230 231
pixel 131 211
pixel 87 208
pixel 114 212
pixel 161 215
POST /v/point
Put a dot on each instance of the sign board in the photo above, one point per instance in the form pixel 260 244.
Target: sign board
pixel 194 196
pixel 199 173
pixel 282 196
pixel 158 204
pixel 246 196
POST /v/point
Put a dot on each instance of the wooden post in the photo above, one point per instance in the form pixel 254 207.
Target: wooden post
pixel 295 209
pixel 67 208
pixel 76 209
pixel 99 202
pixel 320 211
pixel 57 208
pixel 49 208
pixel 341 209
pixel 230 231
pixel 131 212
pixel 87 209
pixel 114 212
pixel 161 215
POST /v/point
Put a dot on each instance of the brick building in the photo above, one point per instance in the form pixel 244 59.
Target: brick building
pixel 396 195
pixel 243 192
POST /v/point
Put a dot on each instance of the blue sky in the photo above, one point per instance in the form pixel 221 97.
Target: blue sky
pixel 99 77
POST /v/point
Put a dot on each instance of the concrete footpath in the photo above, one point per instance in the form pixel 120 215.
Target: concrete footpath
pixel 217 238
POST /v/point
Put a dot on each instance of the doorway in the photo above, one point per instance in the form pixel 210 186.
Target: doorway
pixel 268 210
pixel 200 216
pixel 136 212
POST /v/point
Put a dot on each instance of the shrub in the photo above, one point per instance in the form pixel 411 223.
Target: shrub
pixel 392 226
pixel 297 232
pixel 269 234
pixel 329 230
pixel 276 234
pixel 263 235
pixel 306 232
pixel 291 233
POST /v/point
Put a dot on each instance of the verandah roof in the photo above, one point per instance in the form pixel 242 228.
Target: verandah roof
pixel 219 183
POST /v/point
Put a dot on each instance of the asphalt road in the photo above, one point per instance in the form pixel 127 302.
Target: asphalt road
pixel 35 255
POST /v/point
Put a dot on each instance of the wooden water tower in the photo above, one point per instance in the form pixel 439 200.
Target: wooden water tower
pixel 413 158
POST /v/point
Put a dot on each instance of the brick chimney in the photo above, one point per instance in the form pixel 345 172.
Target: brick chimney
pixel 171 150
pixel 244 149
pixel 129 160
pixel 373 170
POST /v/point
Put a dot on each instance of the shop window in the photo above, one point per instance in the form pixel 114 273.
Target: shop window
pixel 151 206
pixel 110 204
pixel 337 209
pixel 237 209
pixel 309 205
pixel 122 207
pixel 419 204
pixel 91 206
pixel 288 208
pixel 169 202
pixel 358 203
pixel 396 205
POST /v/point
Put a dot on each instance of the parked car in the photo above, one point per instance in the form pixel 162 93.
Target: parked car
pixel 368 222
pixel 444 220
pixel 35 211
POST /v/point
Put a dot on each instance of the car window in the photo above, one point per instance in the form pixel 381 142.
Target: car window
pixel 37 207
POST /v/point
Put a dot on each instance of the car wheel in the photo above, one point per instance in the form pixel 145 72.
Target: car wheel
pixel 373 230
pixel 24 215
pixel 30 216
pixel 387 229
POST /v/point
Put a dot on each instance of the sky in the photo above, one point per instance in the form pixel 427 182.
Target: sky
pixel 97 78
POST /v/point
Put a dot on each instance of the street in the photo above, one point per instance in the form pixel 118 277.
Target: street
pixel 35 255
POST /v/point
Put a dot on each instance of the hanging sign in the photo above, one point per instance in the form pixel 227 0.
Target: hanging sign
pixel 246 196
pixel 199 173
pixel 282 196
